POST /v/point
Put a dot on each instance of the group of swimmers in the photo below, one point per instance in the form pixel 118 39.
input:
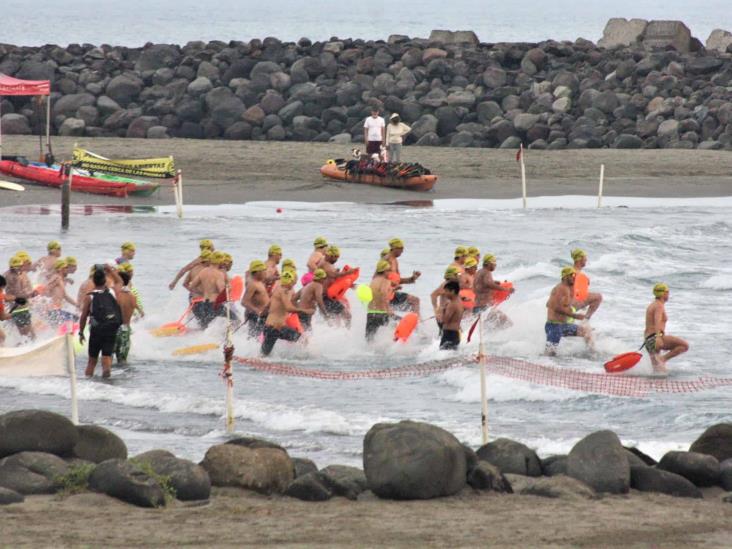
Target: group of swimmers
pixel 273 310
pixel 20 300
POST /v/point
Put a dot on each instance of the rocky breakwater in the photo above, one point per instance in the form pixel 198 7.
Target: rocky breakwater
pixel 646 85
pixel 44 453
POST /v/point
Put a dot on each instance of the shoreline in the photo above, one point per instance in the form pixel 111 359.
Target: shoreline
pixel 235 172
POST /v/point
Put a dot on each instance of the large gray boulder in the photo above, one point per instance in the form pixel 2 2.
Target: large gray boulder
pixel 303 466
pixel 344 481
pixel 559 486
pixel 139 126
pixel 622 32
pixel 716 440
pixel 719 40
pixel 32 472
pixel 412 460
pixel 67 105
pixel 554 465
pixel 266 470
pixel 725 474
pixel 97 444
pixel 125 480
pixel 36 431
pixel 312 486
pixel 454 37
pixel 124 89
pixel 664 34
pixel 72 127
pixel 15 124
pixel 189 480
pixel 427 123
pixel 484 476
pixel 8 496
pixel 225 107
pixel 650 479
pixel 701 469
pixel 511 457
pixel 158 56
pixel 599 460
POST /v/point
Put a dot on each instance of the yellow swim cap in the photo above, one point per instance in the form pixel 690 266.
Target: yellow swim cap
pixel 567 272
pixel 396 243
pixel 471 262
pixel 460 251
pixel 227 258
pixel 382 266
pixel 53 245
pixel 473 251
pixel 274 249
pixel 129 246
pixel 71 261
pixel 205 254
pixel 384 252
pixel 25 256
pixel 217 258
pixel 206 244
pixel 319 274
pixel 257 266
pixel 287 278
pixel 289 263
pixel 451 272
pixel 489 258
pixel 125 267
pixel 660 289
pixel 320 242
pixel 60 264
pixel 15 262
pixel 577 254
pixel 333 251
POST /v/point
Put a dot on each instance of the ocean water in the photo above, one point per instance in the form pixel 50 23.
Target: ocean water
pixel 178 403
pixel 134 22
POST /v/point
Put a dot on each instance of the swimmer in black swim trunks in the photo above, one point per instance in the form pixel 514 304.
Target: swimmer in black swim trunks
pixel 452 315
pixel 401 300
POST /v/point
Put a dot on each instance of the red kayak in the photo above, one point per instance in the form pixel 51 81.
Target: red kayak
pixel 53 177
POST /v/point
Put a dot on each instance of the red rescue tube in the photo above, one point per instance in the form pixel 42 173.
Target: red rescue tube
pixel 406 326
pixel 467 296
pixel 581 286
pixel 342 284
pixel 623 362
pixel 499 296
pixel 293 321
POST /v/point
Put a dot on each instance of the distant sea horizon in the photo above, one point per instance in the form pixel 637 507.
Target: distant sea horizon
pixel 135 22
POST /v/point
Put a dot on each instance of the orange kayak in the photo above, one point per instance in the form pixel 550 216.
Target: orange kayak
pixel 418 183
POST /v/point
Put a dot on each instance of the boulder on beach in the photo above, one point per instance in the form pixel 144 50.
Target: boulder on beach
pixel 413 460
pixel 8 496
pixel 554 465
pixel 650 479
pixel 36 431
pixel 312 486
pixel 622 32
pixel 189 480
pixel 126 481
pixel 725 474
pixel 484 476
pixel 32 472
pixel 267 470
pixel 716 440
pixel 558 486
pixel 511 457
pixel 600 461
pixel 303 466
pixel 97 444
pixel 344 481
pixel 701 469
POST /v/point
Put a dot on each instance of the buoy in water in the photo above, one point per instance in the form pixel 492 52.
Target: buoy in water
pixel 623 362
pixel 406 326
pixel 279 210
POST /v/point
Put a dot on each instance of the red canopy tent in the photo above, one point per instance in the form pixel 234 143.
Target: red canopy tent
pixel 14 86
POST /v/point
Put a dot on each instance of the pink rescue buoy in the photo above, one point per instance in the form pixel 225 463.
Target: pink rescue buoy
pixel 279 210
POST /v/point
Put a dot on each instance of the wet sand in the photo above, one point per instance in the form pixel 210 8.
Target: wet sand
pixel 231 172
pixel 240 518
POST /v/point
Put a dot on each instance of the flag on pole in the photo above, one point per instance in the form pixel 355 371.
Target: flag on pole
pixel 520 153
pixel 472 328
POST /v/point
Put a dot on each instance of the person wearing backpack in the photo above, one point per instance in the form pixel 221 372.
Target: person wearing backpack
pixel 101 308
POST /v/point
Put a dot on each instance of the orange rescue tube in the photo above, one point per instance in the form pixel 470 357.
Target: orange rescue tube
pixel 236 290
pixel 622 362
pixel 467 296
pixel 581 287
pixel 293 321
pixel 406 326
pixel 341 285
pixel 499 296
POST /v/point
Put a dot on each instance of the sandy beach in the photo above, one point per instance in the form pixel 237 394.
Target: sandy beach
pixel 240 518
pixel 229 172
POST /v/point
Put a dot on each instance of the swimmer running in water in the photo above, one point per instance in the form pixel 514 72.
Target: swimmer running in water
pixel 205 245
pixel 452 316
pixel 46 264
pixel 559 313
pixel 201 262
pixel 310 298
pixel 379 309
pixel 459 257
pixel 255 299
pixel 485 285
pixel 272 273
pixel 334 307
pixel 320 244
pixel 20 287
pixel 656 340
pixel 209 283
pixel 593 300
pixel 280 306
pixel 56 292
pixel 127 304
pixel 401 300
pixel 128 250
pixel 437 296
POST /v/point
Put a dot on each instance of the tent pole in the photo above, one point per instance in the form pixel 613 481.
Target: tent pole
pixel 48 123
pixel 1 127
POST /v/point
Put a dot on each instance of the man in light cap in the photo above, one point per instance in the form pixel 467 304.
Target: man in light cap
pixel 71 266
pixel 656 340
pixel 280 306
pixel 474 252
pixel 128 253
pixel 320 244
pixel 56 292
pixel 255 299
pixel 484 288
pixel 401 301
pixel 272 274
pixel 459 257
pixel 209 283
pixel 310 298
pixel 559 313
pixel 20 289
pixel 196 266
pixel 46 264
pixel 205 245
pixel 593 300
pixel 379 309
pixel 334 307
pixel 437 297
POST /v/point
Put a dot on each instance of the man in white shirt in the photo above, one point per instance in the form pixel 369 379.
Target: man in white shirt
pixel 374 132
pixel 395 132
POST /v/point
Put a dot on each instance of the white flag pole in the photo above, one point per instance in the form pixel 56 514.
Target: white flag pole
pixel 483 396
pixel 179 193
pixel 523 174
pixel 71 366
pixel 228 370
pixel 602 181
